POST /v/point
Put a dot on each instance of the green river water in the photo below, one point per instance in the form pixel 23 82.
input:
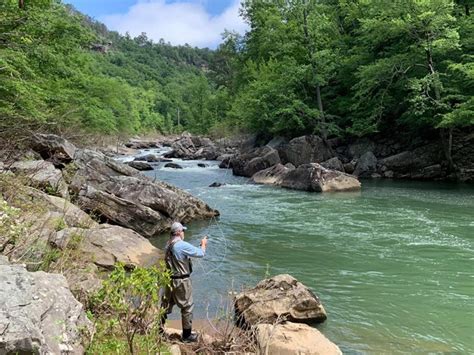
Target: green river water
pixel 392 264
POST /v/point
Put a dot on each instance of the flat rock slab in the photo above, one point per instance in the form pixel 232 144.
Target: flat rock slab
pixel 281 297
pixel 39 314
pixel 293 339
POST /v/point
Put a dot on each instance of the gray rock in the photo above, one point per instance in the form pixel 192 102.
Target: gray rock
pixel 53 148
pixel 281 297
pixel 360 147
pixel 39 314
pixel 140 165
pixel 226 161
pixel 273 175
pixel 349 167
pixel 216 184
pixel 122 195
pixel 293 339
pixel 315 178
pixel 333 164
pixel 173 166
pixel 366 165
pixel 277 142
pixel 305 150
pixel 248 164
pixel 42 174
pixel 105 245
pixel 202 165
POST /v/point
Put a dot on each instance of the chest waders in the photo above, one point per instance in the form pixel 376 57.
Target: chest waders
pixel 179 292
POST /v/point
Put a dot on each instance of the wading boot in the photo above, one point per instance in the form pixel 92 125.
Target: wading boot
pixel 189 336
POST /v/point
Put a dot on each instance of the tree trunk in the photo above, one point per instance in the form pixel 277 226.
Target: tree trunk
pixel 466 7
pixel 318 87
pixel 21 4
pixel 447 142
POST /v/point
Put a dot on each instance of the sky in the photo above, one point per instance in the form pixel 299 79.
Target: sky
pixel 199 23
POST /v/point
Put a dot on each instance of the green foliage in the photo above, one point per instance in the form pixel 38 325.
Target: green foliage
pixel 128 303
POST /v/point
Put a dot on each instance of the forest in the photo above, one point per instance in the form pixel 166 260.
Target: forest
pixel 335 68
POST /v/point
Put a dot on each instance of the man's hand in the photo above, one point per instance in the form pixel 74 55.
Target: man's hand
pixel 204 242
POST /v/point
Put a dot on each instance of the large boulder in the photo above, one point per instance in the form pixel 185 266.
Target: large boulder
pixel 248 164
pixel 53 148
pixel 366 165
pixel 305 150
pixel 193 147
pixel 281 297
pixel 273 175
pixel 333 164
pixel 120 194
pixel 141 144
pixel 39 314
pixel 42 174
pixel 105 245
pixel 293 339
pixel 315 178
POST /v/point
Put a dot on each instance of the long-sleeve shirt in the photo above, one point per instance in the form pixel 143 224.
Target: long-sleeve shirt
pixel 180 260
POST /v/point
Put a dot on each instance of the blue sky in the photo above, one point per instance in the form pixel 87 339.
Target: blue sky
pixel 196 22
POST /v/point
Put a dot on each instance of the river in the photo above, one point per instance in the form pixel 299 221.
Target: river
pixel 392 264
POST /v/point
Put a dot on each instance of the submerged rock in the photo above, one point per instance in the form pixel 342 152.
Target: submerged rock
pixel 39 314
pixel 315 178
pixel 173 166
pixel 293 339
pixel 140 165
pixel 216 184
pixel 281 297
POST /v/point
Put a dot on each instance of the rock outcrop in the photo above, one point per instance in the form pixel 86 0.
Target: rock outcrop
pixel 189 147
pixel 273 175
pixel 315 178
pixel 248 164
pixel 120 194
pixel 279 298
pixel 53 148
pixel 42 174
pixel 305 150
pixel 366 165
pixel 293 339
pixel 39 315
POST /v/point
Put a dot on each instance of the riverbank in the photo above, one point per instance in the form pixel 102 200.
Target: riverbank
pixel 79 213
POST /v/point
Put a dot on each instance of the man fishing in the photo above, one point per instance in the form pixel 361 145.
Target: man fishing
pixel 178 254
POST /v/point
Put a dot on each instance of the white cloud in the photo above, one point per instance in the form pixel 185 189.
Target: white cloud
pixel 177 23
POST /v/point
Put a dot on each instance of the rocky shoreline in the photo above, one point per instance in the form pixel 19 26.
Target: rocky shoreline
pixel 75 213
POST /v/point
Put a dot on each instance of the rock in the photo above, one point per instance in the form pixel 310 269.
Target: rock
pixel 189 147
pixel 53 148
pixel 305 150
pixel 333 164
pixel 292 338
pixel 360 147
pixel 272 176
pixel 39 314
pixel 42 174
pixel 281 297
pixel 173 166
pixel 349 167
pixel 315 178
pixel 388 174
pixel 366 165
pixel 202 165
pixel 216 184
pixel 105 245
pixel 411 164
pixel 258 159
pixel 141 144
pixel 140 165
pixel 276 142
pixel 120 194
pixel 226 161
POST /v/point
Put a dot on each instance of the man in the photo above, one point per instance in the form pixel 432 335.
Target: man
pixel 178 254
